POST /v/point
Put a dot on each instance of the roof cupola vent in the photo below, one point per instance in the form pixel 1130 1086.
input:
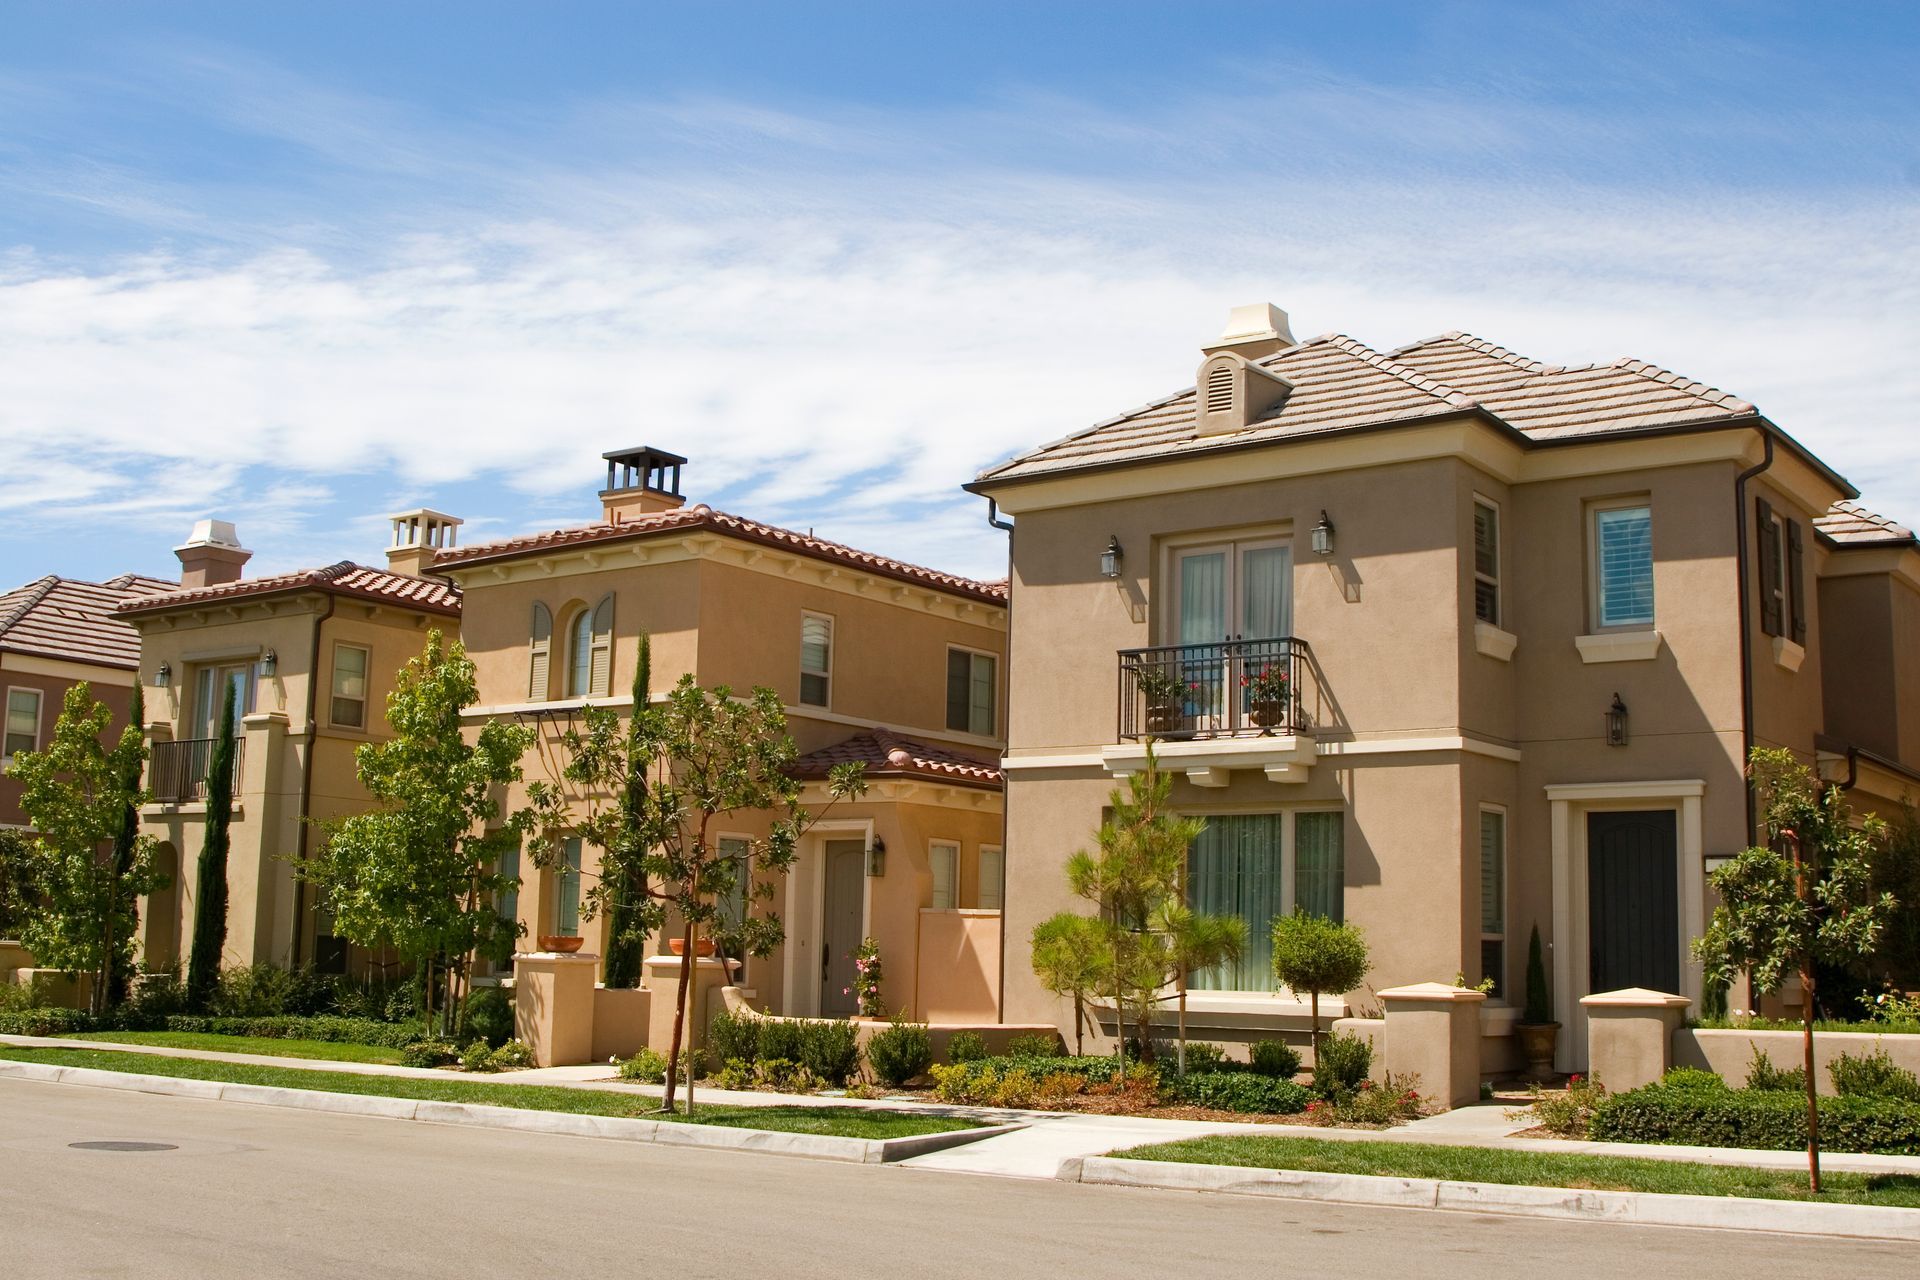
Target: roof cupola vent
pixel 211 555
pixel 641 482
pixel 417 535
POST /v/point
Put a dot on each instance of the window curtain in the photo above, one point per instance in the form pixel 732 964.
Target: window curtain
pixel 1267 603
pixel 1233 869
pixel 566 908
pixel 1319 864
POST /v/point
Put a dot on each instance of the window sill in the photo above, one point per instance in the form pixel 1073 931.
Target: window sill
pixel 1619 646
pixel 1494 642
pixel 1787 654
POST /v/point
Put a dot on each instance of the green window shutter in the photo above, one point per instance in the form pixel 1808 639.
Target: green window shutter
pixel 1493 872
pixel 600 674
pixel 1319 864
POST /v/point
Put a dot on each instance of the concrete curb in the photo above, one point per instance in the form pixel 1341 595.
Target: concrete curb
pixel 1638 1208
pixel 811 1146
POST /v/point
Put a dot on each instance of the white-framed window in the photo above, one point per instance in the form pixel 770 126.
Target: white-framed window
pixel 944 857
pixel 1486 561
pixel 23 722
pixel 1623 565
pixel 590 651
pixel 1255 866
pixel 1782 567
pixel 1493 898
pixel 349 708
pixel 993 878
pixel 566 896
pixel 816 659
pixel 507 905
pixel 973 681
pixel 735 903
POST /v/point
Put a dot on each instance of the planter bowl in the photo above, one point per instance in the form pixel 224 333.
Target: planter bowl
pixel 704 947
pixel 562 944
pixel 1536 1046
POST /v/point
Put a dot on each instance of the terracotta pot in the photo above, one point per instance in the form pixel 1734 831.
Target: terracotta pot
pixel 1536 1046
pixel 561 943
pixel 1267 715
pixel 704 947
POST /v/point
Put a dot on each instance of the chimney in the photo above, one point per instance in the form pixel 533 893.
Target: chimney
pixel 417 534
pixel 1253 331
pixel 211 555
pixel 640 482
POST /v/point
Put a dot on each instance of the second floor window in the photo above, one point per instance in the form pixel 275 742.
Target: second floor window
pixel 1486 563
pixel 349 687
pixel 816 659
pixel 210 692
pixel 945 859
pixel 23 722
pixel 566 896
pixel 1783 555
pixel 971 689
pixel 590 652
pixel 1623 566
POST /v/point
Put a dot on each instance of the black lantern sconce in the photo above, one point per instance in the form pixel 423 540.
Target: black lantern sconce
pixel 1323 535
pixel 269 663
pixel 163 678
pixel 1617 723
pixel 1111 557
pixel 877 858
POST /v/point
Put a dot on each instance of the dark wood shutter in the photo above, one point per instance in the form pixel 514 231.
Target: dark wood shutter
pixel 1770 621
pixel 1796 580
pixel 959 674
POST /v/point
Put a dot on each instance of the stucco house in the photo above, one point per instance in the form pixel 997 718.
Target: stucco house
pixel 1529 619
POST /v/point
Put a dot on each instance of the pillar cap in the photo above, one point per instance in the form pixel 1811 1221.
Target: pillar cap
pixel 1440 991
pixel 1635 998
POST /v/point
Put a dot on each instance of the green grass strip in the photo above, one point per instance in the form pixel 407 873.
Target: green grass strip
pixel 1530 1169
pixel 326 1050
pixel 839 1122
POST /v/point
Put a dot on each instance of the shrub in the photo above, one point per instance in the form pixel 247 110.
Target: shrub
pixel 645 1066
pixel 901 1052
pixel 490 1015
pixel 734 1037
pixel 1200 1056
pixel 831 1050
pixel 429 1053
pixel 1566 1114
pixel 44 1022
pixel 734 1074
pixel 1274 1058
pixel 1755 1119
pixel 1395 1099
pixel 514 1055
pixel 332 1030
pixel 1035 1046
pixel 1692 1078
pixel 477 1056
pixel 966 1046
pixel 780 1039
pixel 1767 1078
pixel 1873 1075
pixel 1241 1091
pixel 982 1081
pixel 1341 1064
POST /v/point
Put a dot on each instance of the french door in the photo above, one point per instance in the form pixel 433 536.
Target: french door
pixel 211 691
pixel 1228 597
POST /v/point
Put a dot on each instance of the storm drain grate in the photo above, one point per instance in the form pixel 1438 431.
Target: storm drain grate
pixel 123 1146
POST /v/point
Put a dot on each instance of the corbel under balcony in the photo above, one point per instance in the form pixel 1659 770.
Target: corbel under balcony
pixel 1211 762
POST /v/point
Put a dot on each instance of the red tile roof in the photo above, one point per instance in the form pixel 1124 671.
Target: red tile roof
pixel 343 579
pixel 1851 525
pixel 703 517
pixel 73 621
pixel 888 755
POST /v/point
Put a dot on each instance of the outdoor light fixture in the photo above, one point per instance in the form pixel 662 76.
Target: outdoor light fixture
pixel 1617 723
pixel 163 677
pixel 877 858
pixel 269 662
pixel 1110 558
pixel 1323 535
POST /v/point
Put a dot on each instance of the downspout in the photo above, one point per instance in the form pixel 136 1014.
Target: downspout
pixel 1745 621
pixel 1000 996
pixel 306 783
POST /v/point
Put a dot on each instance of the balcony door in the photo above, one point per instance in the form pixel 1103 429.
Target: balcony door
pixel 211 691
pixel 1225 595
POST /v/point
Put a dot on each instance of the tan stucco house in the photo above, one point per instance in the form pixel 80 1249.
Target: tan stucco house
pixel 889 664
pixel 1531 618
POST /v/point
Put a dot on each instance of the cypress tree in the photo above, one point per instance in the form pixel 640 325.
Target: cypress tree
pixel 119 945
pixel 627 946
pixel 210 900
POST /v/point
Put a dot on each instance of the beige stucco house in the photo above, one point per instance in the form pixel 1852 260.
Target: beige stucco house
pixel 889 664
pixel 1531 618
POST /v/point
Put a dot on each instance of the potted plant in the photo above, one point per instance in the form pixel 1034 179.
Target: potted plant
pixel 1268 692
pixel 866 979
pixel 1537 1029
pixel 1166 697
pixel 702 946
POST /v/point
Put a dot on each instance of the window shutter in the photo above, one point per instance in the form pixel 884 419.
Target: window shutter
pixel 958 676
pixel 600 674
pixel 1769 569
pixel 540 652
pixel 1796 580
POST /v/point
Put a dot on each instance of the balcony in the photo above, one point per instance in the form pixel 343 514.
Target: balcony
pixel 177 771
pixel 1214 708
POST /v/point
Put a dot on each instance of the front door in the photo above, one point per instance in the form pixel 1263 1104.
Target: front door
pixel 840 925
pixel 1633 901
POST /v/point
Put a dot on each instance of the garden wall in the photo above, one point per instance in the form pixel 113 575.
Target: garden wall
pixel 1729 1051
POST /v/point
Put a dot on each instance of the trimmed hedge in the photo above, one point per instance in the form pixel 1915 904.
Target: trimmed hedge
pixel 326 1027
pixel 1241 1091
pixel 1755 1119
pixel 44 1022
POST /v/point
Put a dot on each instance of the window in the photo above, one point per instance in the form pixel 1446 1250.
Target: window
pixel 566 897
pixel 993 878
pixel 1623 566
pixel 816 659
pixel 733 903
pixel 539 654
pixel 210 690
pixel 23 722
pixel 1320 864
pixel 590 652
pixel 1486 562
pixel 1493 899
pixel 1783 553
pixel 508 907
pixel 972 682
pixel 349 686
pixel 945 859
pixel 1234 869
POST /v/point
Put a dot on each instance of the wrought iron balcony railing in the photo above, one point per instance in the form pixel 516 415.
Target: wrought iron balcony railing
pixel 1233 689
pixel 177 771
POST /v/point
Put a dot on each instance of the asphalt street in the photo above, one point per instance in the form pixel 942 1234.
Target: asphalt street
pixel 267 1192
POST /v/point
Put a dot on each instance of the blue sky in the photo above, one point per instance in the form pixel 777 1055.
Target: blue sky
pixel 298 266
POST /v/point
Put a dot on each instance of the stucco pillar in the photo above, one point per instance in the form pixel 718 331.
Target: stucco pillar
pixel 661 976
pixel 553 1006
pixel 1630 1035
pixel 1433 1031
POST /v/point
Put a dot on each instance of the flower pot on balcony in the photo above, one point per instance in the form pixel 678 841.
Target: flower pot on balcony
pixel 1164 720
pixel 1536 1046
pixel 1270 714
pixel 704 947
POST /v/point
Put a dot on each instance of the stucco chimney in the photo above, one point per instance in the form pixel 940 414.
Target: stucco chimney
pixel 1255 330
pixel 640 482
pixel 211 555
pixel 417 534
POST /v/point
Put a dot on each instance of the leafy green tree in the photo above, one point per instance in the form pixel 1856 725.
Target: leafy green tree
pixel 625 873
pixel 1806 899
pixel 1314 954
pixel 419 872
pixel 210 894
pixel 1073 957
pixel 17 890
pixel 119 973
pixel 80 886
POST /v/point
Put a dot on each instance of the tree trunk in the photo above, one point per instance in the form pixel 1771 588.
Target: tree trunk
pixel 1806 1031
pixel 681 991
pixel 1079 1025
pixel 1313 998
pixel 1180 1054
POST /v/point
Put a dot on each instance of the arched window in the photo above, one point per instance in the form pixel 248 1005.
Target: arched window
pixel 590 651
pixel 541 654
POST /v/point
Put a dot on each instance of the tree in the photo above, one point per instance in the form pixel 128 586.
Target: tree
pixel 119 973
pixel 210 893
pixel 77 887
pixel 625 873
pixel 420 871
pixel 1805 899
pixel 1072 956
pixel 17 890
pixel 1314 954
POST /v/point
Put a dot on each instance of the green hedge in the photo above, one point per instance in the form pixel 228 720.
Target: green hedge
pixel 1241 1091
pixel 325 1027
pixel 1755 1119
pixel 44 1022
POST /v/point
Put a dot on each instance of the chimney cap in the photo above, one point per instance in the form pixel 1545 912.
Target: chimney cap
pixel 641 454
pixel 212 533
pixel 1256 322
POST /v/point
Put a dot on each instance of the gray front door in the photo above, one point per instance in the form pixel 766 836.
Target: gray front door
pixel 840 925
pixel 1633 901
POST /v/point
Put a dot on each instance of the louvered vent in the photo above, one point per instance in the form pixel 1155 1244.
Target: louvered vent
pixel 1220 389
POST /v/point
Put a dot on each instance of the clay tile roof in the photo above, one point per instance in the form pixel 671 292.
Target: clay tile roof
pixel 1851 525
pixel 701 517
pixel 887 754
pixel 73 621
pixel 346 578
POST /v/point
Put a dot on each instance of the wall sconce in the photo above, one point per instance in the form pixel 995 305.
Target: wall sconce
pixel 1110 558
pixel 1323 535
pixel 163 677
pixel 1617 723
pixel 269 663
pixel 877 858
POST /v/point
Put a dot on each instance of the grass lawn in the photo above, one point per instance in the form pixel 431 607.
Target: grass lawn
pixel 323 1049
pixel 1530 1169
pixel 842 1122
pixel 1903 1027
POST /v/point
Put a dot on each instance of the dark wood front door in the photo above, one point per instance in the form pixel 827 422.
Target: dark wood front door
pixel 840 934
pixel 1633 901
